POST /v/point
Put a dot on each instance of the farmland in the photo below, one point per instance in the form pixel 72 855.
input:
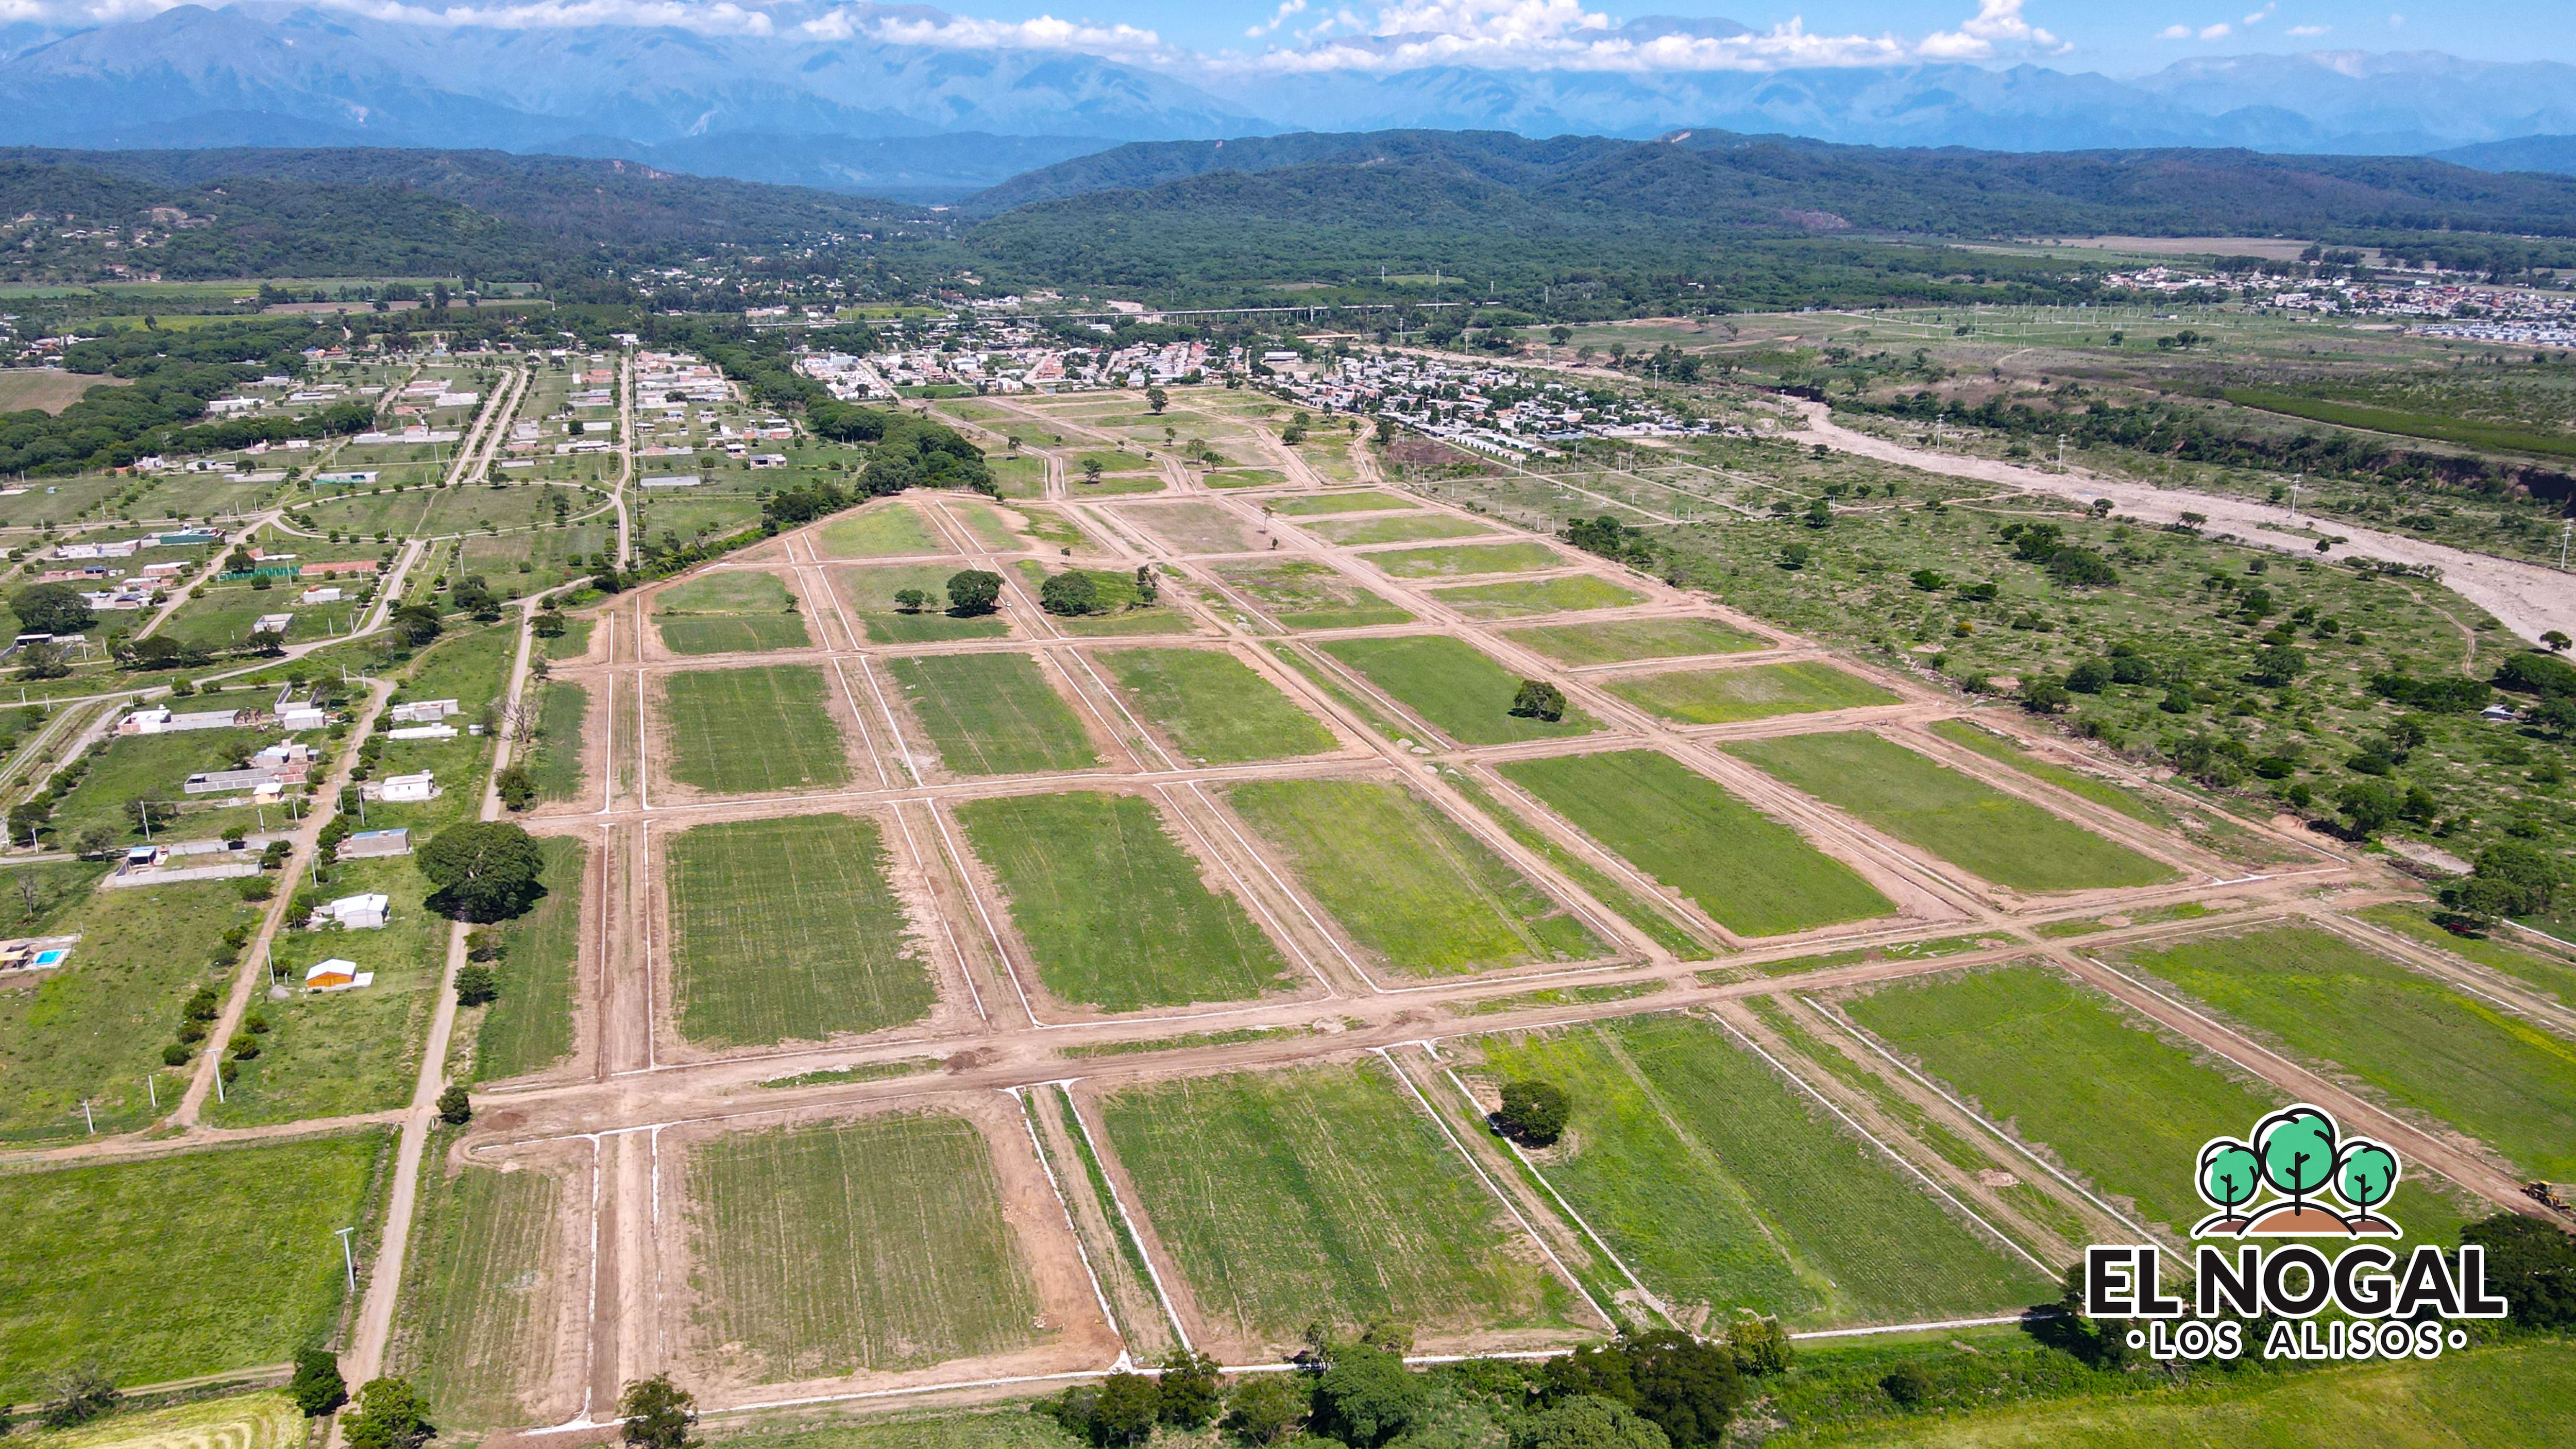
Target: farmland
pixel 1114 912
pixel 1610 641
pixel 188 1265
pixel 1322 1192
pixel 2008 841
pixel 753 731
pixel 2416 1040
pixel 992 714
pixel 1732 1188
pixel 1460 560
pixel 1453 686
pixel 870 1245
pixel 739 611
pixel 1515 598
pixel 554 762
pixel 1395 528
pixel 1758 691
pixel 1751 874
pixel 480 1291
pixel 1415 892
pixel 1212 706
pixel 890 530
pixel 1316 504
pixel 789 929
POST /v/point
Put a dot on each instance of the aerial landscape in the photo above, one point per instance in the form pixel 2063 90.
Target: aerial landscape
pixel 808 726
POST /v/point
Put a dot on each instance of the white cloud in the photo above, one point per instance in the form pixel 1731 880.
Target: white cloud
pixel 2259 16
pixel 1277 18
pixel 1044 33
pixel 2220 31
pixel 2174 32
pixel 2397 22
pixel 2307 32
pixel 1997 22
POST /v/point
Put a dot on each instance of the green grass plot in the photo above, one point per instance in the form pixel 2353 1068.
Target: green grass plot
pixel 1212 707
pixel 1569 594
pixel 751 731
pixel 1756 691
pixel 1462 560
pixel 1613 641
pixel 1301 594
pixel 992 714
pixel 890 531
pixel 1452 685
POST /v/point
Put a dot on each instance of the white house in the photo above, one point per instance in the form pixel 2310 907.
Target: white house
pixel 400 789
pixel 422 711
pixel 423 732
pixel 359 913
pixel 328 594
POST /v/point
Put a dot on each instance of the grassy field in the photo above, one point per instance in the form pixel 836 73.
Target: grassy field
pixel 2008 841
pixel 890 531
pixel 1757 691
pixel 1115 913
pixel 1396 528
pixel 1195 526
pixel 734 611
pixel 155 767
pixel 750 731
pixel 1660 925
pixel 1454 686
pixel 1312 504
pixel 1515 598
pixel 265 1420
pixel 1725 1186
pixel 2467 432
pixel 177 1266
pixel 864 1246
pixel 1213 708
pixel 2497 952
pixel 528 1027
pixel 2126 1109
pixel 1459 560
pixel 2417 1041
pixel 1414 891
pixel 1323 1193
pixel 2075 782
pixel 1751 874
pixel 869 592
pixel 554 763
pixel 1611 641
pixel 1304 595
pixel 992 714
pixel 475 1321
pixel 789 930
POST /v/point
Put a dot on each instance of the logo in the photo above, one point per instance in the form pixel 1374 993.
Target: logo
pixel 2301 1156
pixel 2296 1175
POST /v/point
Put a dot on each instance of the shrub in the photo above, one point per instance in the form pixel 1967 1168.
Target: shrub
pixel 317 1387
pixel 476 985
pixel 1263 1410
pixel 517 788
pixel 1367 1397
pixel 1539 699
pixel 455 1106
pixel 1907 1384
pixel 1069 593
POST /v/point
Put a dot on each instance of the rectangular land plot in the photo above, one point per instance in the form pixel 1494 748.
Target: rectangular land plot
pixel 1750 873
pixel 2008 841
pixel 1467 559
pixel 188 1265
pixel 553 761
pixel 870 593
pixel 890 531
pixel 1323 1192
pixel 2127 1109
pixel 866 1246
pixel 1413 890
pixel 2497 951
pixel 992 714
pixel 1455 687
pixel 1612 641
pixel 528 1027
pixel 2421 1042
pixel 1725 1186
pixel 1312 504
pixel 1213 707
pixel 1112 909
pixel 1569 594
pixel 1194 526
pixel 1755 691
pixel 789 929
pixel 730 611
pixel 751 731
pixel 1396 528
pixel 477 1319
pixel 1302 594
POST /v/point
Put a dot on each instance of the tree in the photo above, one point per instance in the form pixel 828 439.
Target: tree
pixel 658 1414
pixel 1761 1346
pixel 516 787
pixel 2556 641
pixel 1156 400
pixel 1367 1397
pixel 2043 695
pixel 1190 1391
pixel 1071 592
pixel 1539 699
pixel 1588 1421
pixel 973 591
pixel 1263 1410
pixel 317 1387
pixel 391 1415
pixel 2371 805
pixel 476 985
pixel 2089 675
pixel 910 601
pixel 484 870
pixel 417 624
pixel 2511 878
pixel 1091 470
pixel 1907 1384
pixel 1128 1408
pixel 455 1106
pixel 1684 1386
pixel 2531 1263
pixel 2277 664
pixel 1149 587
pixel 78 1395
pixel 1534 1111
pixel 51 609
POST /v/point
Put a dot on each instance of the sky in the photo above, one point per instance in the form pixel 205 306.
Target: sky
pixel 2116 37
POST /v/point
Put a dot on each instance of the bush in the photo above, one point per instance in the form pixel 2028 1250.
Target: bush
pixel 317 1387
pixel 517 788
pixel 1760 1345
pixel 176 1055
pixel 2532 1264
pixel 391 1415
pixel 1367 1397
pixel 1907 1384
pixel 455 1106
pixel 476 985
pixel 1189 1388
pixel 1539 699
pixel 1534 1111
pixel 1588 1421
pixel 77 1396
pixel 1685 1387
pixel 1263 1410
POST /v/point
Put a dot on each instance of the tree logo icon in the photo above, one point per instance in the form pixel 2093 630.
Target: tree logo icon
pixel 2311 1169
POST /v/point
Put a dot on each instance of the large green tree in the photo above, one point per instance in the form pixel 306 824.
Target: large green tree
pixel 483 870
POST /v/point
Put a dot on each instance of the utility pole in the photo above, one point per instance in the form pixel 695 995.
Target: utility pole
pixel 348 1260
pixel 87 1119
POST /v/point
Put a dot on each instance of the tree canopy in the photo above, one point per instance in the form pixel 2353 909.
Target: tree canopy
pixel 484 870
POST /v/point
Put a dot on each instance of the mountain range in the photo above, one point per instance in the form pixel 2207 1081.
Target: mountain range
pixel 824 99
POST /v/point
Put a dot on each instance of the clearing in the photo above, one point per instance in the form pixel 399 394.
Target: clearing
pixel 1613 641
pixel 1515 598
pixel 728 612
pixel 1303 594
pixel 1457 561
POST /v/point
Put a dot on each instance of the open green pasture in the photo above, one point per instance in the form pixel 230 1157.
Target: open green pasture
pixel 1453 686
pixel 476 1322
pixel 992 714
pixel 885 530
pixel 1415 892
pixel 1323 1193
pixel 1213 707
pixel 155 768
pixel 1724 1186
pixel 2131 803
pixel 1753 691
pixel 2008 841
pixel 554 760
pixel 1515 598
pixel 789 930
pixel 1459 560
pixel 1113 910
pixel 528 1027
pixel 1396 528
pixel 749 731
pixel 1243 478
pixel 863 1246
pixel 1302 594
pixel 730 611
pixel 2419 1042
pixel 2122 1106
pixel 175 1266
pixel 1750 873
pixel 1312 504
pixel 869 593
pixel 2497 951
pixel 1612 641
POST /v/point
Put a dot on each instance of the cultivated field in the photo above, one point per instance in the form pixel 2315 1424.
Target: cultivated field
pixel 1212 707
pixel 1453 686
pixel 992 714
pixel 1757 691
pixel 482 1293
pixel 753 731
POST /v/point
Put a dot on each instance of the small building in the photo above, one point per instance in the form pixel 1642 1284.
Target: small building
pixel 336 975
pixel 2499 712
pixel 360 912
pixel 400 789
pixel 36 953
pixel 423 711
pixel 368 844
pixel 231 782
pixel 423 732
pixel 159 720
pixel 325 594
pixel 672 480
pixel 302 717
pixel 272 623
